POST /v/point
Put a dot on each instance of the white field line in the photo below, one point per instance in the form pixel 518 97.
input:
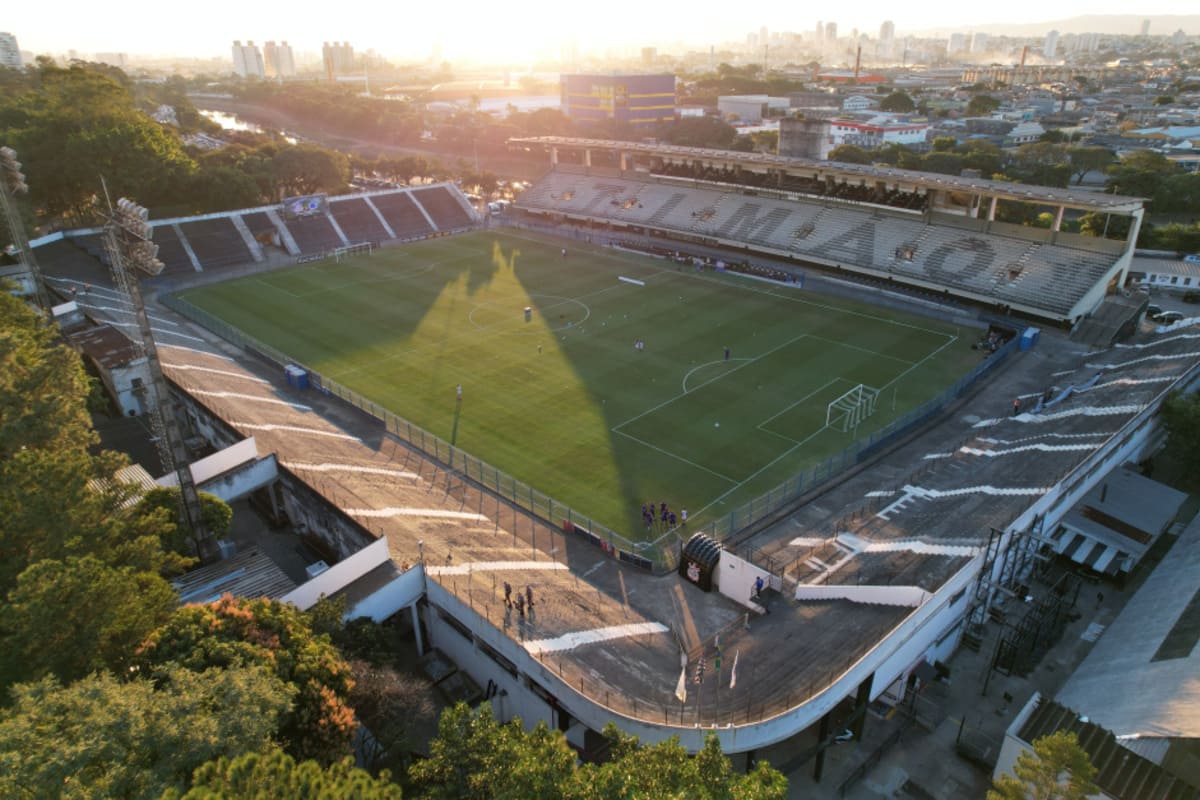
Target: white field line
pixel 838 309
pixel 808 438
pixel 669 454
pixel 293 429
pixel 522 300
pixel 702 366
pixel 798 402
pixel 727 373
pixel 252 397
pixel 494 566
pixel 569 641
pixel 848 346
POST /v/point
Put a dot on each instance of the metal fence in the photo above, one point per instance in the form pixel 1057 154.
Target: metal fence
pixel 662 554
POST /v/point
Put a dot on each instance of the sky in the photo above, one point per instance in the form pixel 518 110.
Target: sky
pixel 492 30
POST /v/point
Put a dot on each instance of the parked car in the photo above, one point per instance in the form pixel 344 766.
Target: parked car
pixel 1169 317
pixel 1191 296
pixel 1153 311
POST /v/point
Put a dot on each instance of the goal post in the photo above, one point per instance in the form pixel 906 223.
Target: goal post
pixel 351 250
pixel 850 409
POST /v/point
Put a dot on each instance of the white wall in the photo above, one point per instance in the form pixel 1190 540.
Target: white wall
pixel 404 590
pixel 736 577
pixel 338 576
pixel 222 461
pixel 910 596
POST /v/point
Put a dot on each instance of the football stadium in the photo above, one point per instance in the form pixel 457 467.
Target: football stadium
pixel 878 403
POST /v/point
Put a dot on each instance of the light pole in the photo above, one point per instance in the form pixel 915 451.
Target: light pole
pixel 12 183
pixel 127 237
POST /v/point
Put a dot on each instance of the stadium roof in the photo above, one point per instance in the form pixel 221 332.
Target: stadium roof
pixel 1140 680
pixel 1070 198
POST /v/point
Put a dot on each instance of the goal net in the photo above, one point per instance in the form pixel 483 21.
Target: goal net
pixel 846 412
pixel 351 250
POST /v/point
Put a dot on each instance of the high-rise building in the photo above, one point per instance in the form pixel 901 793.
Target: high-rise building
pixel 280 62
pixel 887 33
pixel 820 32
pixel 248 60
pixel 10 54
pixel 1051 46
pixel 649 55
pixel 1145 27
pixel 831 32
pixel 337 57
pixel 887 39
pixel 979 44
pixel 958 43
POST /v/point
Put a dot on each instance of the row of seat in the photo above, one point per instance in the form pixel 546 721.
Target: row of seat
pixel 1006 269
pixel 238 237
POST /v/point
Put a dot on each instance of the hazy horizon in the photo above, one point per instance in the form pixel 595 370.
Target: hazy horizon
pixel 486 32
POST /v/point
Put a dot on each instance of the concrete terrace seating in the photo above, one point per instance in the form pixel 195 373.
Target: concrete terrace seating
pixel 313 234
pixel 445 209
pixel 170 250
pixel 260 226
pixel 402 214
pixel 1008 269
pixel 357 220
pixel 216 242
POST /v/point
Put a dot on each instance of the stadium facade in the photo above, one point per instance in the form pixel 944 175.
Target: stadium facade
pixel 639 100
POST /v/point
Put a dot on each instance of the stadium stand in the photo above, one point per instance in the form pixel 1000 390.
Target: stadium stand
pixel 171 250
pixel 402 214
pixel 260 226
pixel 313 234
pixel 216 242
pixel 1001 268
pixel 357 220
pixel 446 210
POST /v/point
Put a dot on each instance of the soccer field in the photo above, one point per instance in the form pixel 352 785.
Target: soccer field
pixel 565 402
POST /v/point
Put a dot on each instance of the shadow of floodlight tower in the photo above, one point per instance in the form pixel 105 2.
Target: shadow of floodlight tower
pixel 128 240
pixel 12 183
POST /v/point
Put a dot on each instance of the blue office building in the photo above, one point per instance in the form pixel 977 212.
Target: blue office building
pixel 634 99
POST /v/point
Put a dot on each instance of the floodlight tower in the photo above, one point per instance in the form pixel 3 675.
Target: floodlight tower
pixel 12 183
pixel 127 237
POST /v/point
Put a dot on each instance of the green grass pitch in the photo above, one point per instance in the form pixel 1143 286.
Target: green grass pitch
pixel 565 402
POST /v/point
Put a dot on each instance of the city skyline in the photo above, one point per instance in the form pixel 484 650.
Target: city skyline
pixel 485 33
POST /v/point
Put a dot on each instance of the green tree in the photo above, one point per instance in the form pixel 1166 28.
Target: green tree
pixel 981 105
pixel 1056 769
pixel 898 102
pixel 215 513
pixel 70 618
pixel 1042 163
pixel 944 144
pixel 850 154
pixel 1164 100
pixel 277 776
pixel 474 756
pixel 942 162
pixel 1087 159
pixel 101 737
pixel 1181 418
pixel 666 770
pixel 267 633
pixel 308 169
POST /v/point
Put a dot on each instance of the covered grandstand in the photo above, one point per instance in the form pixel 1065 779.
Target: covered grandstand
pixel 935 232
pixel 188 245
